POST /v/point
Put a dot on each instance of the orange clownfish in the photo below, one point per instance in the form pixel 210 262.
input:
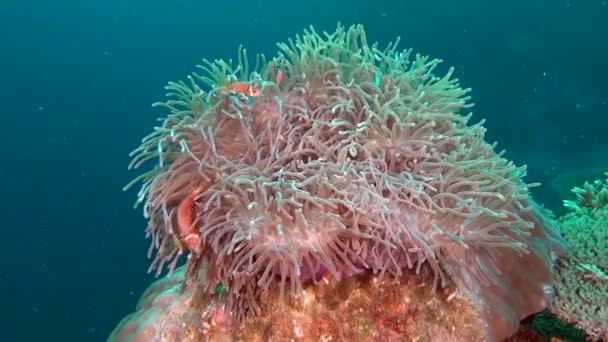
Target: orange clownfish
pixel 243 88
pixel 279 78
pixel 189 236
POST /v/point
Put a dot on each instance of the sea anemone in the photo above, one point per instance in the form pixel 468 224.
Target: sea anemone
pixel 350 159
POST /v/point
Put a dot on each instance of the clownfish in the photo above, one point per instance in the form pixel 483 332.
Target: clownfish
pixel 279 78
pixel 188 235
pixel 243 88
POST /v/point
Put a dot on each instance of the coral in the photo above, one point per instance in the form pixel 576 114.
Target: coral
pixel 590 198
pixel 337 158
pixel 361 308
pixel 582 277
pixel 564 182
pixel 548 326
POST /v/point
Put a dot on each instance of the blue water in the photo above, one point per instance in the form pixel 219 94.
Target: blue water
pixel 78 77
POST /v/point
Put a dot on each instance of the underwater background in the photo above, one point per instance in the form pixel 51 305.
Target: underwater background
pixel 78 78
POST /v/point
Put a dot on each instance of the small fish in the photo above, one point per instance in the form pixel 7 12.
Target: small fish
pixel 189 236
pixel 279 78
pixel 243 88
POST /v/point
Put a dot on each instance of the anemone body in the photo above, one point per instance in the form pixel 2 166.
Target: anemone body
pixel 359 160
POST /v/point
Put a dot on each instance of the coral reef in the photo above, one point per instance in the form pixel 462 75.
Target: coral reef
pixel 361 308
pixel 335 160
pixel 548 327
pixel 564 182
pixel 582 277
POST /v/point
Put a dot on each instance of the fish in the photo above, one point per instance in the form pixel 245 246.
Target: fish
pixel 245 88
pixel 279 77
pixel 188 235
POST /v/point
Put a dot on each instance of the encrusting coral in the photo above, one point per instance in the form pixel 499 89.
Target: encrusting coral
pixel 333 159
pixel 360 308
